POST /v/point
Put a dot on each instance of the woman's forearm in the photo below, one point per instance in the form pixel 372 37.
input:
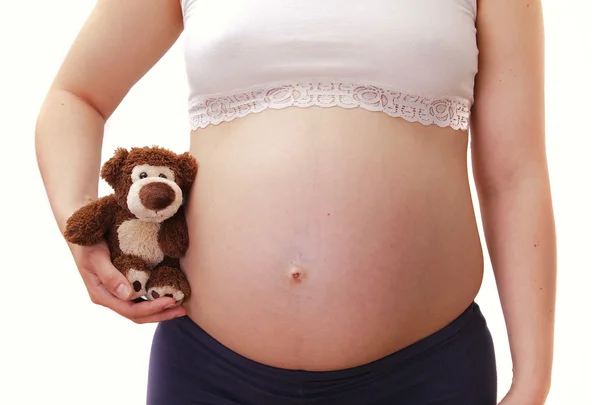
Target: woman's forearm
pixel 520 234
pixel 68 144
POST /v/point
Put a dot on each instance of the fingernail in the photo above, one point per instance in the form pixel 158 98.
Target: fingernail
pixel 170 306
pixel 122 291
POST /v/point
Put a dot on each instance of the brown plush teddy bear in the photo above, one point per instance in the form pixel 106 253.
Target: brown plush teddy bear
pixel 143 221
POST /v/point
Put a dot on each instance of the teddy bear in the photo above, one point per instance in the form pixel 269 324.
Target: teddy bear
pixel 142 221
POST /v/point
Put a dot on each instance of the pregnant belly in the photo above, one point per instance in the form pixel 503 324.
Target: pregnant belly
pixel 326 239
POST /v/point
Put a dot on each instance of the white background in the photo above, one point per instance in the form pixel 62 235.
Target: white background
pixel 57 347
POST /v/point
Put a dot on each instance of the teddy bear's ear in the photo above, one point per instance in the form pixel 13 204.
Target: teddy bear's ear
pixel 111 170
pixel 188 167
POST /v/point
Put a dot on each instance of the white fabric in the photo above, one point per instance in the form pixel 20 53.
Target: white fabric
pixel 414 59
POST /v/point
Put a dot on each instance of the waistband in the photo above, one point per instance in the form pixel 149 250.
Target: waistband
pixel 471 318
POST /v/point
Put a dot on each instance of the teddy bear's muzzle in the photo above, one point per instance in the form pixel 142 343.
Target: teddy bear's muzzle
pixel 157 196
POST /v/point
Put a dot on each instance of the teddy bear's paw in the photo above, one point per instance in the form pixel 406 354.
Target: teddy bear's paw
pixel 165 291
pixel 167 281
pixel 138 280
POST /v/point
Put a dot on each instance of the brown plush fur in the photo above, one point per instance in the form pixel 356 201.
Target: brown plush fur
pixel 169 276
pixel 116 171
pixel 154 269
pixel 173 236
pixel 92 221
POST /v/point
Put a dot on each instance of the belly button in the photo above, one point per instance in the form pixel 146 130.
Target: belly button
pixel 297 274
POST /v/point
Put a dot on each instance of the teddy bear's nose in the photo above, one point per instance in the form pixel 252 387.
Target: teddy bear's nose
pixel 157 196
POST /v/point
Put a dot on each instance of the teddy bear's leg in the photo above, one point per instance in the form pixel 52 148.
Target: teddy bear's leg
pixel 167 281
pixel 137 272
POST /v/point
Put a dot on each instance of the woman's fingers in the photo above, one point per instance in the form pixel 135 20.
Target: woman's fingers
pixel 133 310
pixel 112 279
pixel 108 287
pixel 162 316
pixel 157 310
pixel 141 310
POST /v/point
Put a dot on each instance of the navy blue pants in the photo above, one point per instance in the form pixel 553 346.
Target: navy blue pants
pixel 454 366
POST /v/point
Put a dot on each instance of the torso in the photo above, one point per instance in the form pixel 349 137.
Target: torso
pixel 374 213
pixel 324 238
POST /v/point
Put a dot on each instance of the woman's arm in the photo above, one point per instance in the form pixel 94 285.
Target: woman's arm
pixel 118 44
pixel 511 176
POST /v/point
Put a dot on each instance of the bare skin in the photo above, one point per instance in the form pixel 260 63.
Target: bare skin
pixel 330 245
pixel 321 238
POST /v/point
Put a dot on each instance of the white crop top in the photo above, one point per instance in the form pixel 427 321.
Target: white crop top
pixel 414 59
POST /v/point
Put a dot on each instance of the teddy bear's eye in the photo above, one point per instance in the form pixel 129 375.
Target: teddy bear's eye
pixel 162 175
pixel 143 175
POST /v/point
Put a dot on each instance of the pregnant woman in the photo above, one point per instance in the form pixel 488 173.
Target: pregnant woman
pixel 334 252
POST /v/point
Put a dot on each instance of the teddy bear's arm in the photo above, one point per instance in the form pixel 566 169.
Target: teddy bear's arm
pixel 173 235
pixel 88 225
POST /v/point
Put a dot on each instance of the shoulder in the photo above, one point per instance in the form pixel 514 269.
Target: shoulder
pixel 508 111
pixel 510 37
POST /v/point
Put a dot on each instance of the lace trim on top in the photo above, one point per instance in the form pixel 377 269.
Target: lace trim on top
pixel 442 111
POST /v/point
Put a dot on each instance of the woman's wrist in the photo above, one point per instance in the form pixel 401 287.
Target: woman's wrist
pixel 532 389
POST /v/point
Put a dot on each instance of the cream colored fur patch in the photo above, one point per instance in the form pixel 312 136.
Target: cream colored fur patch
pixel 140 238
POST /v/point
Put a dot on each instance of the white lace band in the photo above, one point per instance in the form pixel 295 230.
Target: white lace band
pixel 442 111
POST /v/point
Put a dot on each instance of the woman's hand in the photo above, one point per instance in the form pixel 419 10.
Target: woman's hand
pixel 515 400
pixel 111 289
pixel 524 396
